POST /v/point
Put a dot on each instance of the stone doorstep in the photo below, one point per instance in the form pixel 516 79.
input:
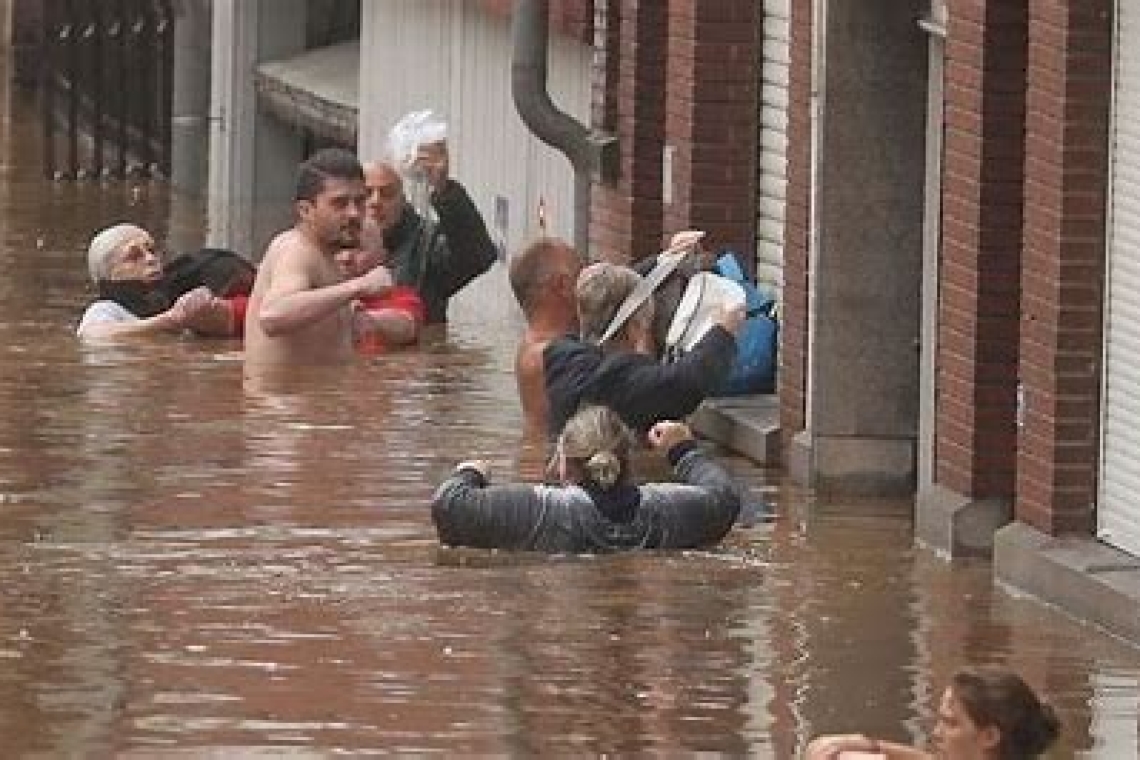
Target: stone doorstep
pixel 1090 581
pixel 746 425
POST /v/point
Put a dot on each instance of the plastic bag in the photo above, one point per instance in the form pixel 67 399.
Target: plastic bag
pixel 405 139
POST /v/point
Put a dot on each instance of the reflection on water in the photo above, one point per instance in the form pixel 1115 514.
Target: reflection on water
pixel 190 564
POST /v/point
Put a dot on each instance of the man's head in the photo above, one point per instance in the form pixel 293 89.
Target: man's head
pixel 601 289
pixel 123 252
pixel 330 197
pixel 545 273
pixel 385 194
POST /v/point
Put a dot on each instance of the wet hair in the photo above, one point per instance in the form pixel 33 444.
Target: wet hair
pixel 596 445
pixel 998 697
pixel 534 265
pixel 329 163
pixel 600 292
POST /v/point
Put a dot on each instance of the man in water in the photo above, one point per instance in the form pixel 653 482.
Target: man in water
pixel 543 277
pixel 302 309
pixel 437 258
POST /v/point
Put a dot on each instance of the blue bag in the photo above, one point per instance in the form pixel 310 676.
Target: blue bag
pixel 755 368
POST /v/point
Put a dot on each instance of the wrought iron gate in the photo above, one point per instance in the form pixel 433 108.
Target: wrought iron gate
pixel 106 85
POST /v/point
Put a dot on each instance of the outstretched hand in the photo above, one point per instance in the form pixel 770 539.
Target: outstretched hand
pixel 666 434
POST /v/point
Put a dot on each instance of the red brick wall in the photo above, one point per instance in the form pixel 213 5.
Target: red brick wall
pixel 793 328
pixel 626 221
pixel 1069 89
pixel 711 119
pixel 570 17
pixel 979 278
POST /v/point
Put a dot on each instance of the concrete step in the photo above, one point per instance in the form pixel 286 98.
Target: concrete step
pixel 746 425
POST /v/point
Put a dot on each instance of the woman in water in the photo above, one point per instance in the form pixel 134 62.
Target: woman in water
pixel 987 713
pixel 597 506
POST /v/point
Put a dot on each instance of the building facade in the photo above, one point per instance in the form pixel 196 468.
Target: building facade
pixel 942 191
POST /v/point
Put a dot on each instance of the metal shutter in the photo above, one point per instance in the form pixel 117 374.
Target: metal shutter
pixel 1118 512
pixel 772 158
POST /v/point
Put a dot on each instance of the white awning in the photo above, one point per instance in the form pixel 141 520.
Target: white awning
pixel 317 90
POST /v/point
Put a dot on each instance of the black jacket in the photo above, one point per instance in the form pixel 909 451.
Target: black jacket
pixel 639 388
pixel 697 512
pixel 439 259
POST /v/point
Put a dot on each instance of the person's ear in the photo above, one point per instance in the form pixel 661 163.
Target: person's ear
pixel 304 208
pixel 990 737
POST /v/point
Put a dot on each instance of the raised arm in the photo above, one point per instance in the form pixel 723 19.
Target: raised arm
pixel 469 511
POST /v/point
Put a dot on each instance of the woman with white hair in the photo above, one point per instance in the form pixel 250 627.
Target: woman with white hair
pixel 598 506
pixel 127 271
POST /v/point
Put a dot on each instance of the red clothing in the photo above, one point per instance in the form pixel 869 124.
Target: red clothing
pixel 238 305
pixel 400 298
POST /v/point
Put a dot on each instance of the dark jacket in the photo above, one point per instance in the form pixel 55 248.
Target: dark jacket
pixel 698 512
pixel 438 259
pixel 639 388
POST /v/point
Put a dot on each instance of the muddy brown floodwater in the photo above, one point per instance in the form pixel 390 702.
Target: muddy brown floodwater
pixel 188 568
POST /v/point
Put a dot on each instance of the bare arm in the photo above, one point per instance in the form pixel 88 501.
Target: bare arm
pixel 291 303
pixel 860 747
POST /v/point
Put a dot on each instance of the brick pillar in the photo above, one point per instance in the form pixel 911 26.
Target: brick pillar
pixel 792 375
pixel 626 214
pixel 975 426
pixel 1069 91
pixel 710 125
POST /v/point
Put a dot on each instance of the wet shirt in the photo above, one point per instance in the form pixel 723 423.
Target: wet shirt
pixel 638 387
pixel 696 512
pixel 103 313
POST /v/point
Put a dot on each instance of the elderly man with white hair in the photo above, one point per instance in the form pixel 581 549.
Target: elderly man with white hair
pixel 128 271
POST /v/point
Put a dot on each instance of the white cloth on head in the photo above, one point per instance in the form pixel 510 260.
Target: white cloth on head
pixel 107 242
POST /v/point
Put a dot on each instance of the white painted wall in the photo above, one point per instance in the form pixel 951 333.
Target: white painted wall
pixel 462 59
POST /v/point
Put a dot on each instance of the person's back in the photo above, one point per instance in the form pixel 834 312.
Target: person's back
pixel 542 277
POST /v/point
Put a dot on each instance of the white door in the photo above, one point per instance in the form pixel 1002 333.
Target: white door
pixel 773 172
pixel 1118 512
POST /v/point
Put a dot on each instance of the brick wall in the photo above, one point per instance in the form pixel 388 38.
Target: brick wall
pixel 979 279
pixel 711 119
pixel 793 328
pixel 626 221
pixel 570 17
pixel 1069 90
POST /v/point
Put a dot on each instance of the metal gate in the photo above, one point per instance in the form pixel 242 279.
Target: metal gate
pixel 106 83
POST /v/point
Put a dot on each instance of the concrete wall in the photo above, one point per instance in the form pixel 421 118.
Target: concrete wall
pixel 866 259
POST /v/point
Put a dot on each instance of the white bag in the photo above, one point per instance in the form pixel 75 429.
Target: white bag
pixel 414 130
pixel 705 297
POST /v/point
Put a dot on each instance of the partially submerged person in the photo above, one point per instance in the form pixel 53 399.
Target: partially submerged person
pixel 598 506
pixel 138 297
pixel 396 314
pixel 543 277
pixel 438 257
pixel 302 310
pixel 622 372
pixel 986 713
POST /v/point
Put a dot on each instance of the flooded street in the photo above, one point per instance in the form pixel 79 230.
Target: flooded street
pixel 188 568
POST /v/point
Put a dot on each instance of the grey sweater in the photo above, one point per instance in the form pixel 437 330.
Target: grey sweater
pixel 697 512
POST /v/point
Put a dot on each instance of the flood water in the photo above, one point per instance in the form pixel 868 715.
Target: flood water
pixel 190 569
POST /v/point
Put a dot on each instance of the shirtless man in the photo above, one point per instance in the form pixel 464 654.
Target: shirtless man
pixel 543 278
pixel 302 309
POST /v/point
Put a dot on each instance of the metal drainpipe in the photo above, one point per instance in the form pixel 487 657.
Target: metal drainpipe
pixel 530 36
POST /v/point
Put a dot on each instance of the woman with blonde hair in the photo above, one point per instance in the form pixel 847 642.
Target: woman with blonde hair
pixel 597 506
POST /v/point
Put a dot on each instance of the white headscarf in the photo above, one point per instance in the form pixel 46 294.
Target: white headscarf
pixel 106 243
